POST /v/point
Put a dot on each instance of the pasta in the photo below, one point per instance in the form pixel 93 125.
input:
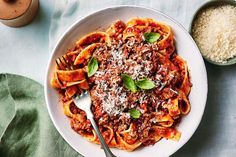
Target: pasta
pixel 138 113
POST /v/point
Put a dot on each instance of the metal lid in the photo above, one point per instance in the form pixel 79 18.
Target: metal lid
pixel 11 9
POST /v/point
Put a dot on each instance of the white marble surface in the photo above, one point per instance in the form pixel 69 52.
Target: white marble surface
pixel 25 51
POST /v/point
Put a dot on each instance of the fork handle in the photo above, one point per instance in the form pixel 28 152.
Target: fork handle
pixel 101 139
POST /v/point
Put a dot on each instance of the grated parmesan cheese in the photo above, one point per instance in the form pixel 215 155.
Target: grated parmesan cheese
pixel 215 33
pixel 113 97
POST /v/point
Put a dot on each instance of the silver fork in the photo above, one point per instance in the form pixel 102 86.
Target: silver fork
pixel 84 102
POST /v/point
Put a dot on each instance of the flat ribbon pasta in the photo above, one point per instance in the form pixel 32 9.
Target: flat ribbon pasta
pixel 122 48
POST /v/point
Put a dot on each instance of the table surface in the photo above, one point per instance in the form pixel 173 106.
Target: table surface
pixel 25 51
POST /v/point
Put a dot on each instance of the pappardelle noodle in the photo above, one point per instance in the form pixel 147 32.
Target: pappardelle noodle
pixel 138 84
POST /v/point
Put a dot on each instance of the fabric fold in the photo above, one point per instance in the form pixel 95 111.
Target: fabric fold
pixel 26 128
pixel 7 106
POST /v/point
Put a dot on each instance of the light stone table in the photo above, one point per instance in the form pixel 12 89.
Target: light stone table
pixel 25 51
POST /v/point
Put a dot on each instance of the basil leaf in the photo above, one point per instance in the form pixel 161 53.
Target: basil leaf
pixel 134 113
pixel 92 66
pixel 145 84
pixel 151 37
pixel 129 82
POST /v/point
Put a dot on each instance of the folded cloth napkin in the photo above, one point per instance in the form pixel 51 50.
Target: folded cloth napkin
pixel 25 127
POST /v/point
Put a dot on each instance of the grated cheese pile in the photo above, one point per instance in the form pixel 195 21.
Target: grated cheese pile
pixel 214 31
pixel 113 96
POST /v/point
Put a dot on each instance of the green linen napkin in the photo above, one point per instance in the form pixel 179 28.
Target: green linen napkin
pixel 25 127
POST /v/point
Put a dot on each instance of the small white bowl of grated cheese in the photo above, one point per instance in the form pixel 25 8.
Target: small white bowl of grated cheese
pixel 214 30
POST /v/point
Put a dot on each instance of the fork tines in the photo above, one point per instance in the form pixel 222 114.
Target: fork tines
pixel 64 62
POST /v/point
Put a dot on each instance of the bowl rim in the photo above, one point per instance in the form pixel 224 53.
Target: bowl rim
pixel 204 6
pixel 80 20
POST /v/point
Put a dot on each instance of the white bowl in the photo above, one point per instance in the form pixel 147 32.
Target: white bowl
pixel 186 48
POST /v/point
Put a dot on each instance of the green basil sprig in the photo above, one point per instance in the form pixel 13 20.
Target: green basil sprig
pixel 151 37
pixel 134 113
pixel 145 84
pixel 129 82
pixel 92 66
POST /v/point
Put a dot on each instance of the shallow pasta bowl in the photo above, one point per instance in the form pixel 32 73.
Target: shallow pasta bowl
pixel 186 48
